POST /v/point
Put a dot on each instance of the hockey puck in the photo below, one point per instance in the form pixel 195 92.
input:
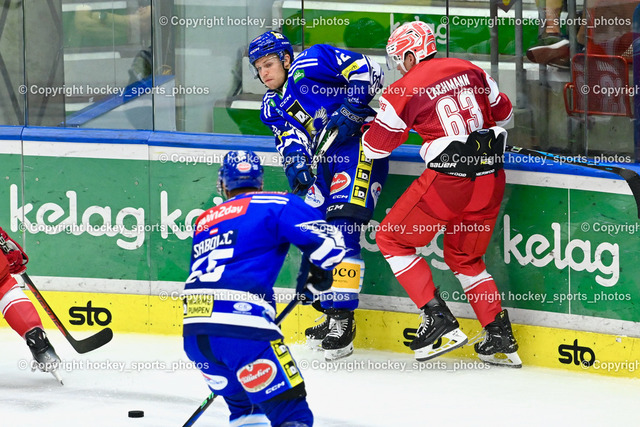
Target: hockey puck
pixel 136 414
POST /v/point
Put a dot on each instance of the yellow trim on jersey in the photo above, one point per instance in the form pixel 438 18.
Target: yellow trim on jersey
pixel 354 66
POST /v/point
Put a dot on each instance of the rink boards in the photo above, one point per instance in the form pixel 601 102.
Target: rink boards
pixel 107 218
pixel 579 351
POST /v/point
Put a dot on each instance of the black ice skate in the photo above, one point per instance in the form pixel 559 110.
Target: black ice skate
pixel 339 341
pixel 439 331
pixel 499 346
pixel 317 333
pixel 43 352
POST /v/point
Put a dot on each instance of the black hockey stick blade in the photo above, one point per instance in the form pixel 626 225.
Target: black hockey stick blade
pixel 81 346
pixel 631 177
pixel 206 402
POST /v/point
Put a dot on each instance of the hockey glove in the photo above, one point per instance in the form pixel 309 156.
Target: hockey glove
pixel 16 257
pixel 298 172
pixel 312 281
pixel 348 119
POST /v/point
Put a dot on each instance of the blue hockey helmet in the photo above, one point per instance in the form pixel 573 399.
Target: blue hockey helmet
pixel 240 169
pixel 271 42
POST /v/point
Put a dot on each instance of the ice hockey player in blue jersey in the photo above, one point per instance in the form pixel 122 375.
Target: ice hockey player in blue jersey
pixel 229 331
pixel 323 89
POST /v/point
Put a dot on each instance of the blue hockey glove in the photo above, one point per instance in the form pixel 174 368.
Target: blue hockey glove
pixel 312 281
pixel 348 119
pixel 298 172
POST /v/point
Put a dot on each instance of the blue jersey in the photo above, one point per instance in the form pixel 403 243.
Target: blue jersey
pixel 238 250
pixel 318 82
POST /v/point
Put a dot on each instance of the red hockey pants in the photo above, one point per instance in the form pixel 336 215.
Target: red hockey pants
pixel 468 209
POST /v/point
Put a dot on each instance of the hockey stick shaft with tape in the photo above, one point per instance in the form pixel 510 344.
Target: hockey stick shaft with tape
pixel 631 177
pixel 81 346
pixel 325 139
pixel 209 400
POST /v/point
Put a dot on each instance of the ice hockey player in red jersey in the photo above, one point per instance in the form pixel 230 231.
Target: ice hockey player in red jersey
pixel 457 109
pixel 19 311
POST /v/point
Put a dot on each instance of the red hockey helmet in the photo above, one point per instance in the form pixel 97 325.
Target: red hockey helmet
pixel 416 37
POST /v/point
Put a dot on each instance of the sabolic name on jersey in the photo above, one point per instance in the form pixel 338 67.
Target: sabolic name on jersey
pixel 212 243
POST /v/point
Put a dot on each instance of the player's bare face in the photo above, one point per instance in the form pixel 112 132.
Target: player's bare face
pixel 271 71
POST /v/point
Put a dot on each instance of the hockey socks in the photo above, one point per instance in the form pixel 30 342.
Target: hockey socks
pixel 483 295
pixel 413 273
pixel 17 309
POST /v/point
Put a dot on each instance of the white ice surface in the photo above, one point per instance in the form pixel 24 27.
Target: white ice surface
pixel 358 394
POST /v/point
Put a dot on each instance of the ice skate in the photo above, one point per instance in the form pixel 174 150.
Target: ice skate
pixel 317 333
pixel 438 333
pixel 499 346
pixel 339 341
pixel 45 357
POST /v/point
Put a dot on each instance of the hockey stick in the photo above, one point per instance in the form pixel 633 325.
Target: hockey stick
pixel 82 346
pixel 209 400
pixel 631 177
pixel 325 139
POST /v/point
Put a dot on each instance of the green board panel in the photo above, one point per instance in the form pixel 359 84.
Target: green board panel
pixel 553 249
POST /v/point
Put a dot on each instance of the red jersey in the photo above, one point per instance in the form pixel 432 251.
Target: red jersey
pixel 445 98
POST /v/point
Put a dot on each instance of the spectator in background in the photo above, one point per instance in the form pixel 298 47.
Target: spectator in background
pixel 607 32
pixel 552 48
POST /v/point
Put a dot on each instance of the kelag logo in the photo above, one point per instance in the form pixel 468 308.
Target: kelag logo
pixel 576 354
pixel 92 315
pixel 539 251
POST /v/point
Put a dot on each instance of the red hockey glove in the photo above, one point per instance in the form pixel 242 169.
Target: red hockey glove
pixel 16 257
